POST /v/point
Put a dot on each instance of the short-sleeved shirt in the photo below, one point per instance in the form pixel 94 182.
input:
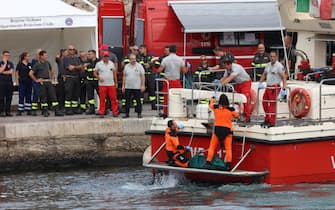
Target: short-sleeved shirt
pixel 23 71
pixel 273 73
pixel 133 74
pixel 238 71
pixel 9 66
pixel 172 65
pixel 106 71
pixel 41 70
pixel 71 60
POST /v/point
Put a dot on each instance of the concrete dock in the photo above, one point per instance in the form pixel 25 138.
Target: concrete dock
pixel 30 143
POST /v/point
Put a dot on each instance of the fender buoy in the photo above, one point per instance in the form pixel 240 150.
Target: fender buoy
pixel 252 105
pixel 299 103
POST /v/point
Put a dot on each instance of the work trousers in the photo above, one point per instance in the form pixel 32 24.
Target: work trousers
pixel 215 144
pixel 60 91
pixel 136 94
pixel 269 103
pixel 25 91
pixel 90 87
pixel 150 85
pixel 36 90
pixel 72 91
pixel 6 94
pixel 172 84
pixel 244 88
pixel 111 92
pixel 47 93
pixel 82 95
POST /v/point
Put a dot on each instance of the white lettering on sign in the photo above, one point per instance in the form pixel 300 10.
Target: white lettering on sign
pixel 195 150
pixel 333 161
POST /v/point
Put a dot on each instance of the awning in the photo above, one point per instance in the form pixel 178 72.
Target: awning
pixel 322 37
pixel 42 14
pixel 227 15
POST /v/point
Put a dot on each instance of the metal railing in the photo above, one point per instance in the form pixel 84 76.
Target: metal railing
pixel 159 92
pixel 320 98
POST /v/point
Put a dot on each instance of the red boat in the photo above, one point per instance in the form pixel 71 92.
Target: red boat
pixel 298 149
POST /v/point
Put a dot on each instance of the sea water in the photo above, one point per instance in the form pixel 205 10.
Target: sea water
pixel 135 188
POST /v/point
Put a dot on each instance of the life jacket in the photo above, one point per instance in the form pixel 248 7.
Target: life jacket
pixel 180 157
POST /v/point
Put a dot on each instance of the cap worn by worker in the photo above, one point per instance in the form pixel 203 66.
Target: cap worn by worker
pixel 105 54
pixel 104 47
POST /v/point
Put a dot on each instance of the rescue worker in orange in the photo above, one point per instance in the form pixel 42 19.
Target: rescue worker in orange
pixel 176 152
pixel 223 134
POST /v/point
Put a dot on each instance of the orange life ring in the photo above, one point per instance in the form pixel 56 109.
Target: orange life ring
pixel 299 103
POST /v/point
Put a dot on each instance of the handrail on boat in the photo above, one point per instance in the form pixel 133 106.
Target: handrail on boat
pixel 160 92
pixel 320 95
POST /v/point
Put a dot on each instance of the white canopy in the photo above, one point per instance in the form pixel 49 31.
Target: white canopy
pixel 227 15
pixel 47 24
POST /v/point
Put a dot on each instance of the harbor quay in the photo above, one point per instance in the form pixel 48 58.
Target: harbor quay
pixel 34 143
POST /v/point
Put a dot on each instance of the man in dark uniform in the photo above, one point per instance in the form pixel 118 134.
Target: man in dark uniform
pixel 35 100
pixel 42 74
pixel 72 68
pixel 203 66
pixel 60 89
pixel 91 81
pixel 6 84
pixel 223 56
pixel 82 96
pixel 146 62
pixel 260 61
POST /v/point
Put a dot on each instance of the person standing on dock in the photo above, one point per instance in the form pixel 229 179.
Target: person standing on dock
pixel 6 84
pixel 42 74
pixel 274 74
pixel 107 75
pixel 133 84
pixel 223 134
pixel 172 65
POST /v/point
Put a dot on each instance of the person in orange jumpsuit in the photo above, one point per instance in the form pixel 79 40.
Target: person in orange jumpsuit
pixel 176 152
pixel 223 134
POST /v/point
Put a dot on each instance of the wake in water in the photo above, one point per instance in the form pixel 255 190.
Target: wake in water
pixel 159 181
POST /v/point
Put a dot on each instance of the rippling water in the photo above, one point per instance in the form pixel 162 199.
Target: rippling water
pixel 134 188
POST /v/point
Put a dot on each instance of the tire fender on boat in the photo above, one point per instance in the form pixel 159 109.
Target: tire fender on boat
pixel 299 103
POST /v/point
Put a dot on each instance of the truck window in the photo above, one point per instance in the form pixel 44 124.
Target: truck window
pixel 239 38
pixel 112 31
pixel 139 36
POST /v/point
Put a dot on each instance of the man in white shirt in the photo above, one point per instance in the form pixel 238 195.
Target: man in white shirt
pixel 107 75
pixel 133 84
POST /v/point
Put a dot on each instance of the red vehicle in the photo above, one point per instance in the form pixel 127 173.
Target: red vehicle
pixel 112 26
pixel 158 23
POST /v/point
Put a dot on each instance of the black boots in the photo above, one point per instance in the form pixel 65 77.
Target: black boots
pixel 90 110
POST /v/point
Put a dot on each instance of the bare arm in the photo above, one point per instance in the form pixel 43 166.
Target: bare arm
pixel 283 77
pixel 160 69
pixel 226 80
pixel 263 77
pixel 115 77
pixel 142 83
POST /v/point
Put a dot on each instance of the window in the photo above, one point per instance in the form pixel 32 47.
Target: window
pixel 139 36
pixel 239 38
pixel 112 31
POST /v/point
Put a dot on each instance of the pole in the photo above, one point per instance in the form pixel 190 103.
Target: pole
pixel 252 147
pixel 156 153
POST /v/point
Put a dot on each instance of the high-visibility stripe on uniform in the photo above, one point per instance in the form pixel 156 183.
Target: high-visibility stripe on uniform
pixel 74 104
pixel 67 104
pixel 92 102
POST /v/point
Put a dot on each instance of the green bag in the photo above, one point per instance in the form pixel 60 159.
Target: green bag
pixel 199 161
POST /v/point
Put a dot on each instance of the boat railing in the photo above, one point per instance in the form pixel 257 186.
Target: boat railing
pixel 321 94
pixel 276 101
pixel 159 93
